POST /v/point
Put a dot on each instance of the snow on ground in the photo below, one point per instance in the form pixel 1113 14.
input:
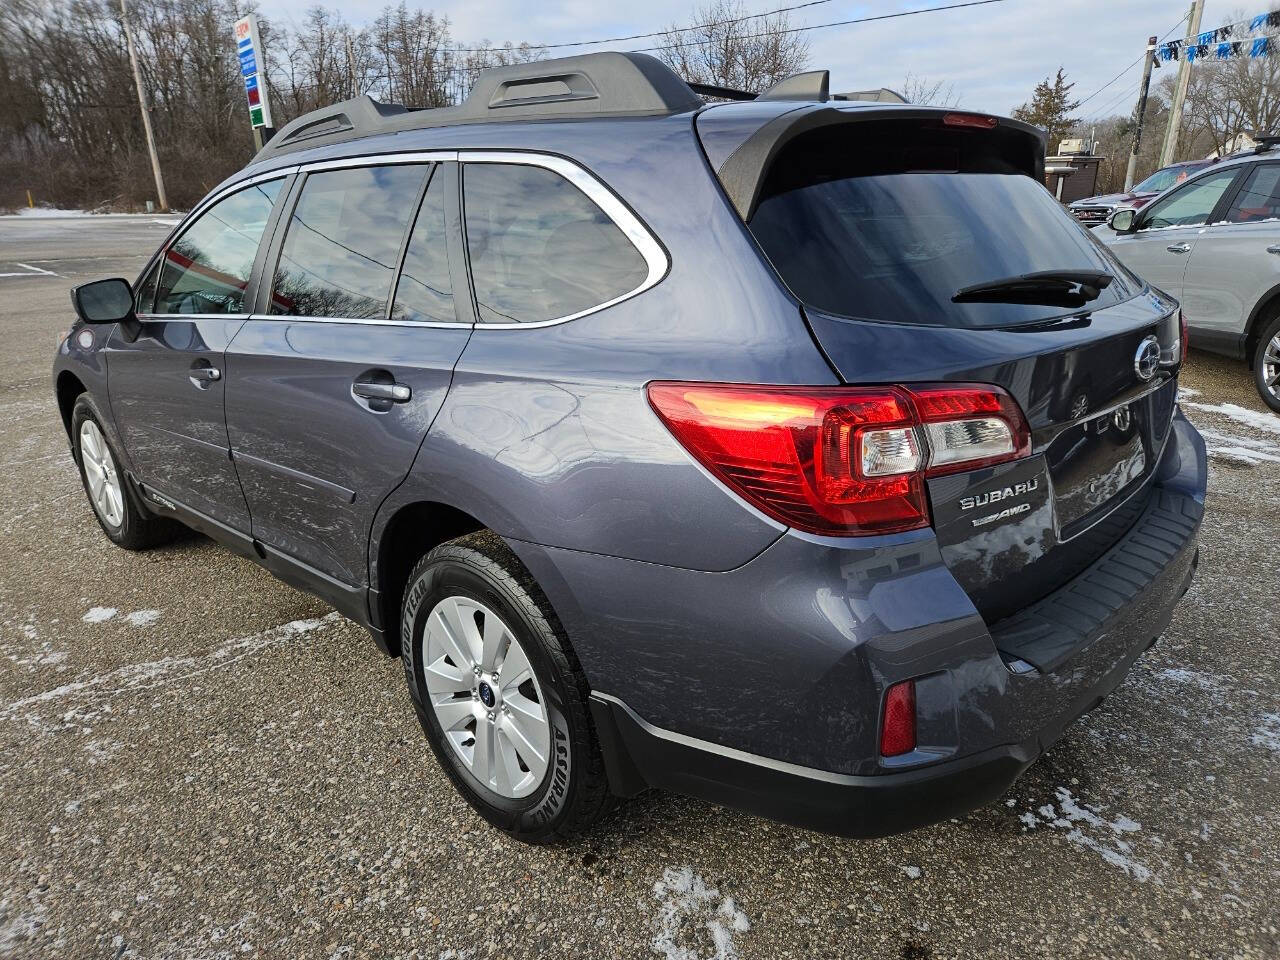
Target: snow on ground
pixel 1256 419
pixel 99 614
pixel 1087 828
pixel 142 618
pixel 689 909
pixel 1268 733
pixel 141 676
pixel 1263 446
pixel 49 213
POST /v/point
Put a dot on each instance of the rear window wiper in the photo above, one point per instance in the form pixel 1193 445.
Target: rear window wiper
pixel 1068 288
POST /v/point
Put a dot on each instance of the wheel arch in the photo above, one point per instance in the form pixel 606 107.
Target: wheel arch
pixel 409 533
pixel 1265 310
pixel 67 389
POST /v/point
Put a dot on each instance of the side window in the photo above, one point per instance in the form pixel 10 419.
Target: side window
pixel 144 297
pixel 424 291
pixel 540 249
pixel 206 269
pixel 1259 199
pixel 1190 205
pixel 343 241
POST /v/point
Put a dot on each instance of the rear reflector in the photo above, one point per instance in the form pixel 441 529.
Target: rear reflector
pixel 898 727
pixel 974 120
pixel 841 461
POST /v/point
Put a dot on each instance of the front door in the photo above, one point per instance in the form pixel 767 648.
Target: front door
pixel 331 389
pixel 166 385
pixel 1159 249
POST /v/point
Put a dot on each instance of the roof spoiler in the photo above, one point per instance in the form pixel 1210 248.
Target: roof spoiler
pixel 743 171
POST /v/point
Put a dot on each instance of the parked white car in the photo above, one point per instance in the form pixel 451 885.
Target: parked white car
pixel 1213 242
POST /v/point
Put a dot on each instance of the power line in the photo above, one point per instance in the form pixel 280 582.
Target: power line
pixel 836 23
pixel 655 33
pixel 750 36
pixel 1132 65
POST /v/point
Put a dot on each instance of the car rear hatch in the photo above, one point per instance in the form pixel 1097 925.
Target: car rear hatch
pixel 924 248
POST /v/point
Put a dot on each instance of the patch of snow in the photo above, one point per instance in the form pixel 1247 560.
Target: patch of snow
pixel 912 871
pixel 141 676
pixel 143 618
pixel 1087 828
pixel 1268 733
pixel 1250 418
pixel 1244 450
pixel 688 904
pixel 1187 392
pixel 1205 681
pixel 49 213
pixel 99 614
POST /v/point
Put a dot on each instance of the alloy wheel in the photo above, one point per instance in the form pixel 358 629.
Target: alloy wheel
pixel 1271 367
pixel 106 492
pixel 486 696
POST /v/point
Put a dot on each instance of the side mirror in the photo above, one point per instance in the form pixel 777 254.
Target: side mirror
pixel 103 301
pixel 1124 220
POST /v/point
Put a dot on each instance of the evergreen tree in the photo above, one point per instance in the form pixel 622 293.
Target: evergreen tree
pixel 1050 108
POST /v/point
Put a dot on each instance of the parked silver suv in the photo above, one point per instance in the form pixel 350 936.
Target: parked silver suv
pixel 1213 242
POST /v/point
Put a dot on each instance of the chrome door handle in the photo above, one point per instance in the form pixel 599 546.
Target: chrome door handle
pixel 1179 248
pixel 395 392
pixel 1274 248
pixel 207 374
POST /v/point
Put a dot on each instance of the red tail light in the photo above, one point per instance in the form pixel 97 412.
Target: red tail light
pixel 974 120
pixel 841 460
pixel 898 726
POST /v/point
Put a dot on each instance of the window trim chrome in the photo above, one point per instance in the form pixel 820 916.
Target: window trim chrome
pixel 196 213
pixel 639 235
pixel 636 231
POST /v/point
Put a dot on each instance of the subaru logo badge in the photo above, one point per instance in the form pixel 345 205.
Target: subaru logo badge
pixel 1147 359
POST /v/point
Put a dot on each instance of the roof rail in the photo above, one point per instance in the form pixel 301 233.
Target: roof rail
pixel 811 86
pixel 724 93
pixel 603 84
pixel 1266 142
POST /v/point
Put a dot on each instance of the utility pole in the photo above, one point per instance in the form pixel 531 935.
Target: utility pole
pixel 1142 112
pixel 351 65
pixel 1180 91
pixel 146 114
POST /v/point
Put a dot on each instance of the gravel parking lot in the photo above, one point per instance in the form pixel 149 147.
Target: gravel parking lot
pixel 197 761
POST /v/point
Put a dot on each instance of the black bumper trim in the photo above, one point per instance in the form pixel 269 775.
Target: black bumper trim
pixel 1050 632
pixel 639 755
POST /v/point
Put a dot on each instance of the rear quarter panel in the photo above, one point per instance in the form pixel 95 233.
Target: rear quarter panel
pixel 547 436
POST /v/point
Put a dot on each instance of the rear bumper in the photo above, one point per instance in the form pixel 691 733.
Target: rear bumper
pixel 639 755
pixel 760 688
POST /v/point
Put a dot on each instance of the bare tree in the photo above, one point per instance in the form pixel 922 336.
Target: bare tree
pixel 725 46
pixel 927 92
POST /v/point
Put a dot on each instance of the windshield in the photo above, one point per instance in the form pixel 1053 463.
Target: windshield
pixel 1162 180
pixel 897 246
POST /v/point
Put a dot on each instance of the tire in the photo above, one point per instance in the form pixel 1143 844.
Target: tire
pixel 539 798
pixel 1266 364
pixel 122 517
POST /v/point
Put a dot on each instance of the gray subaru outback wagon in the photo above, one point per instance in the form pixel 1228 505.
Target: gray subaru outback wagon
pixel 799 454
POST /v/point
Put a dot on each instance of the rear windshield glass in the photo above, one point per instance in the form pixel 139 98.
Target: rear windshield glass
pixel 887 221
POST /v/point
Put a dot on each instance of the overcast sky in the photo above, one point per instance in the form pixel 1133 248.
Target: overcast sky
pixel 993 54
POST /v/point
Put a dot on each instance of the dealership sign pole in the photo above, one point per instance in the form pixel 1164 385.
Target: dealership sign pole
pixel 249 50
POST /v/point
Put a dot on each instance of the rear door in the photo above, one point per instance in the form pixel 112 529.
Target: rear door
pixel 167 384
pixel 331 388
pixel 1236 261
pixel 1169 228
